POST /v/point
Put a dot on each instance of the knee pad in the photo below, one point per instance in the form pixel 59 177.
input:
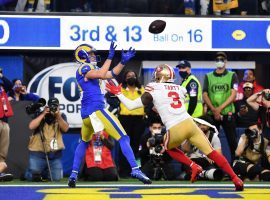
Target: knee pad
pixel 240 168
pixel 254 171
pixel 265 176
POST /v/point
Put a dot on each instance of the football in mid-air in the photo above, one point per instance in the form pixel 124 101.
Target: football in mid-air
pixel 157 26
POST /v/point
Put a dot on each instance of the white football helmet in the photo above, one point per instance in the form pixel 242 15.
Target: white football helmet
pixel 164 73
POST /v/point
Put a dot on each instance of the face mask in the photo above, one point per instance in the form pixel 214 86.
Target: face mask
pixel 131 81
pixel 183 74
pixel 219 64
pixel 156 131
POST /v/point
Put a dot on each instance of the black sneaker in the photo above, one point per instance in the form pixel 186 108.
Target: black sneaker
pixel 36 178
pixel 6 177
pixel 72 182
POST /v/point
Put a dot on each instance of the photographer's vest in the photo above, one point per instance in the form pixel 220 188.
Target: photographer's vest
pixel 199 107
pixel 219 90
pixel 5 107
pixel 50 132
pixel 106 156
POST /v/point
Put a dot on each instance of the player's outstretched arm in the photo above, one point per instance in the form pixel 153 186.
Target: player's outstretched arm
pixel 102 72
pixel 145 99
pixel 125 57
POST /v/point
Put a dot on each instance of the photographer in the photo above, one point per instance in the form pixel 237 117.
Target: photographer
pixel 261 102
pixel 253 155
pixel 154 160
pixel 210 170
pixel 46 143
pixel 19 93
pixel 5 112
pixel 245 114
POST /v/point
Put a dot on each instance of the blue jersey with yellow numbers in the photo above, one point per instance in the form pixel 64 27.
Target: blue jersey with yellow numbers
pixel 92 96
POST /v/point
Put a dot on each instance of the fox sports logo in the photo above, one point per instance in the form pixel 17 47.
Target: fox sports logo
pixel 59 81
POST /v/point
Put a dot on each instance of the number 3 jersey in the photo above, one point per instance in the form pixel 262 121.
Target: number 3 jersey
pixel 169 101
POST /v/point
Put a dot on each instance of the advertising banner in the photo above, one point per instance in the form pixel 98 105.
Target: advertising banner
pixel 180 34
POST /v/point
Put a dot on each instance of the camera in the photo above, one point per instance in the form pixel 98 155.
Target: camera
pixel 156 143
pixel 18 88
pixel 53 104
pixel 266 96
pixel 251 133
pixel 35 107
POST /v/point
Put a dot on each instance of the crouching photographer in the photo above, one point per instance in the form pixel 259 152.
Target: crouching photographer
pixel 210 170
pixel 260 102
pixel 46 143
pixel 253 155
pixel 156 163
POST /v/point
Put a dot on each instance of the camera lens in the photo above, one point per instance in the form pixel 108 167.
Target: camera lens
pixel 158 148
pixel 251 134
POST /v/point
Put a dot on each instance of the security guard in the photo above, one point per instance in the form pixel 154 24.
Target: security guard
pixel 193 101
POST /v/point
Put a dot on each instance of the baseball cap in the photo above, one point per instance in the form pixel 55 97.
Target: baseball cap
pixel 183 64
pixel 221 54
pixel 53 101
pixel 247 85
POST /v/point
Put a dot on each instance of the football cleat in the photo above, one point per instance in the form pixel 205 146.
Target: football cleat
pixel 72 179
pixel 137 173
pixel 239 185
pixel 195 171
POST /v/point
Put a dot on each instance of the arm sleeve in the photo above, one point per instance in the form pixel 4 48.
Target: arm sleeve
pixel 130 104
pixel 234 82
pixel 192 90
pixel 7 84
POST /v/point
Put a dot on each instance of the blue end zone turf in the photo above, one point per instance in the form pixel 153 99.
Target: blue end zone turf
pixel 149 192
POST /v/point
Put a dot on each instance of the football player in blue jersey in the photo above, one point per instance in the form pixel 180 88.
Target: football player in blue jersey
pixel 94 115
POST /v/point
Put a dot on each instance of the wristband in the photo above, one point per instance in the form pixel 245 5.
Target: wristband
pixel 113 74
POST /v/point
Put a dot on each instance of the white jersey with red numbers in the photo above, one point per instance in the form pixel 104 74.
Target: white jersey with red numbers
pixel 168 99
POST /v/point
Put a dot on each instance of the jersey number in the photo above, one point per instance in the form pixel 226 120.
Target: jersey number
pixel 176 100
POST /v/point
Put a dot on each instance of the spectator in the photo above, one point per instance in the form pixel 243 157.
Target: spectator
pixel 46 143
pixel 245 114
pixel 132 120
pixel 260 102
pixel 210 170
pixel 264 7
pixel 33 5
pixel 190 7
pixel 156 163
pixel 219 92
pixel 252 148
pixel 19 93
pixel 222 7
pixel 5 112
pixel 193 101
pixel 99 162
pixel 249 76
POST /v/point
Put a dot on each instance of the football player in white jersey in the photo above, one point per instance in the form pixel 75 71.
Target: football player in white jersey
pixel 168 99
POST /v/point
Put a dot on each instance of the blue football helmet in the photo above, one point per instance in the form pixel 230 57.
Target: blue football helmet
pixel 85 53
